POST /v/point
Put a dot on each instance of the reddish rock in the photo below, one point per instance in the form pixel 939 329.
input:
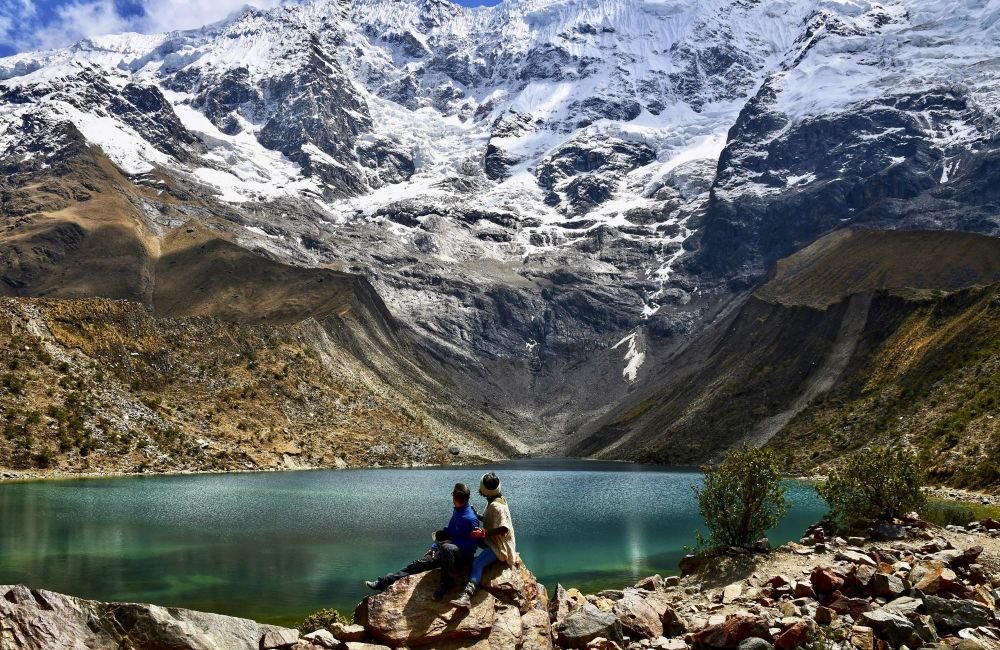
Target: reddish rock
pixel 826 580
pixel 803 590
pixel 728 634
pixel 779 581
pixel 824 615
pixel 853 606
pixel 793 637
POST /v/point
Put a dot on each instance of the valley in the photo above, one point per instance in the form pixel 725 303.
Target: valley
pixel 361 234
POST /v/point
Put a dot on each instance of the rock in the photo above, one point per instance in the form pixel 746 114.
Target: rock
pixel 905 606
pixel 888 532
pixel 856 541
pixel 513 585
pixel 968 557
pixel 934 578
pixel 45 620
pixel 536 633
pixel 854 557
pixel 405 614
pixel 565 601
pixel 792 637
pixel 672 581
pixel 732 592
pixel 587 623
pixel 652 583
pixel 730 633
pixel 601 643
pixel 955 615
pixel 358 645
pixel 887 585
pixel 324 639
pixel 788 608
pixel 854 607
pixel 862 638
pixel 692 563
pixel 826 580
pixel 352 632
pixel 754 643
pixel 803 590
pixel 669 644
pixel 510 608
pixel 895 629
pixel 673 623
pixel 824 615
pixel 638 618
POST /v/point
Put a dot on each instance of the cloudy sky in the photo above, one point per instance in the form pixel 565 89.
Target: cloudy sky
pixel 38 24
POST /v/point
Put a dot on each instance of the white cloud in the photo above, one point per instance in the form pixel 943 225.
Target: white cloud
pixel 167 15
pixel 79 20
pixel 22 29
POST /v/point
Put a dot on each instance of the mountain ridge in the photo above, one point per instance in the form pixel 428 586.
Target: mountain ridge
pixel 546 194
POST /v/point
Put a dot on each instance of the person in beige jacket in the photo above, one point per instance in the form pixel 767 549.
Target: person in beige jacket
pixel 498 534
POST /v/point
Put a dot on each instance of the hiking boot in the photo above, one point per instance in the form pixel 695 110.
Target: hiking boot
pixel 465 600
pixel 374 585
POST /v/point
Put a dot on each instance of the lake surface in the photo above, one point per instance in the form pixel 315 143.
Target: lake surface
pixel 278 546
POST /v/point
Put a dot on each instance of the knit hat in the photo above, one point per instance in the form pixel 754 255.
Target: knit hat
pixel 489 486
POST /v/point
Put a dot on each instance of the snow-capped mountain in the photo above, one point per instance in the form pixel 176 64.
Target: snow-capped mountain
pixel 544 190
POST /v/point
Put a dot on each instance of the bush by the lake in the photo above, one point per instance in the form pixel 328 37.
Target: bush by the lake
pixel 742 497
pixel 322 620
pixel 876 484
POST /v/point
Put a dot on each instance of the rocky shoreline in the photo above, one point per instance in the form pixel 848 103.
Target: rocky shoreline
pixel 907 584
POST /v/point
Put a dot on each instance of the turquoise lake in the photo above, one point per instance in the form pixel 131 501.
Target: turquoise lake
pixel 278 546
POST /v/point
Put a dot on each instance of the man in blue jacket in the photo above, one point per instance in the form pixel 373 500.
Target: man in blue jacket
pixel 453 547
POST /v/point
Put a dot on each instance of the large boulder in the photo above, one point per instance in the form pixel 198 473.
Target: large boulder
pixel 35 619
pixel 952 615
pixel 587 623
pixel 638 618
pixel 510 610
pixel 895 629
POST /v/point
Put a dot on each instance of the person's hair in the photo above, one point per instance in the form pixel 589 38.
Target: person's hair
pixel 461 492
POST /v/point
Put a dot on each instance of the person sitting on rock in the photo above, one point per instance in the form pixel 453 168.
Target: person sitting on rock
pixel 454 546
pixel 497 533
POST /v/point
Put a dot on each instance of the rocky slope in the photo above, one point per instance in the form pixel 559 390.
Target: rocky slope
pixel 548 193
pixel 861 336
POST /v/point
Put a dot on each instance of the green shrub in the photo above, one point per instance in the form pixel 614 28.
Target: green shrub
pixel 948 513
pixel 876 484
pixel 742 497
pixel 322 620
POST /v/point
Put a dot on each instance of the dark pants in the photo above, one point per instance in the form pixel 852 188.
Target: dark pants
pixel 447 557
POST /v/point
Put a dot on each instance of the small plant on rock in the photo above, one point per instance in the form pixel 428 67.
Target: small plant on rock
pixel 742 497
pixel 322 620
pixel 877 484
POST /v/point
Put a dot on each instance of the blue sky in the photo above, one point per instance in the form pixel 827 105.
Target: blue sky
pixel 38 24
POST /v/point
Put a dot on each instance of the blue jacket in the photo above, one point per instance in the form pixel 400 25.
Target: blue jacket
pixel 463 522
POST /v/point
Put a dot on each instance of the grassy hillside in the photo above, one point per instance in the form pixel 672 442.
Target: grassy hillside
pixel 927 374
pixel 97 384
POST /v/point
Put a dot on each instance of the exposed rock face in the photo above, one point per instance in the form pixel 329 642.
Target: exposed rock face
pixel 509 611
pixel 35 619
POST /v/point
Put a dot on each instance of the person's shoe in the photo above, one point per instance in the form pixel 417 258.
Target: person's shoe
pixel 465 600
pixel 373 585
